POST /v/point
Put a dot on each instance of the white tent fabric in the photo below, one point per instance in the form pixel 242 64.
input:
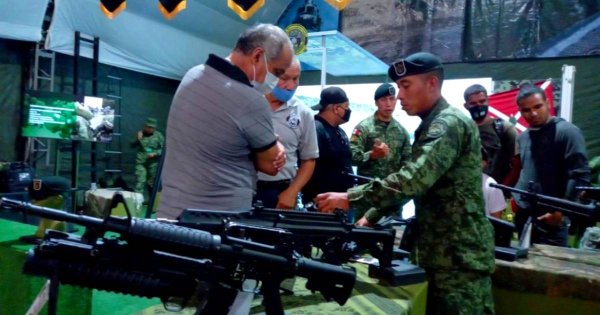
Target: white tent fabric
pixel 22 19
pixel 141 39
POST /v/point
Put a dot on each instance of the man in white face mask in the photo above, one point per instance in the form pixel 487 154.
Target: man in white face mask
pixel 270 80
pixel 219 131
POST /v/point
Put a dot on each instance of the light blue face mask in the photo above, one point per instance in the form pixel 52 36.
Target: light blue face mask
pixel 270 80
pixel 282 95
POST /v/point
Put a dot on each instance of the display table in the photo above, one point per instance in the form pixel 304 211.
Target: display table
pixel 551 280
pixel 18 291
pixel 368 297
pixel 98 202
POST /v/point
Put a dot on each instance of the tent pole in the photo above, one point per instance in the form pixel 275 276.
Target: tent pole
pixel 323 61
pixel 566 94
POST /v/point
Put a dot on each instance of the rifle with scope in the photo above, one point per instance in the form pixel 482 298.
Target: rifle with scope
pixel 151 258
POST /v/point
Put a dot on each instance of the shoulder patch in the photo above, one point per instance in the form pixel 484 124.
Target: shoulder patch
pixel 437 128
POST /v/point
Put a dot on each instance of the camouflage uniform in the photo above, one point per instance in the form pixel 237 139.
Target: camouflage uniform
pixel 392 134
pixel 361 144
pixel 145 167
pixel 455 239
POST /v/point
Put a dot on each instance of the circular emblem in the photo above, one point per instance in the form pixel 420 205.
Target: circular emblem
pixel 299 37
pixel 293 121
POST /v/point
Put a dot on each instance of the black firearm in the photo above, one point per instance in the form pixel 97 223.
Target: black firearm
pixel 338 239
pixel 591 210
pixel 590 193
pixel 150 258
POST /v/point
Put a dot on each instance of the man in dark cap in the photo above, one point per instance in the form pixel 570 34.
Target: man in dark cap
pixel 379 144
pixel 149 143
pixel 50 192
pixel 335 158
pixel 455 240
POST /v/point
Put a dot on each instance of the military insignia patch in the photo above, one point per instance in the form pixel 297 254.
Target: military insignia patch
pixel 437 128
pixel 355 134
pixel 37 184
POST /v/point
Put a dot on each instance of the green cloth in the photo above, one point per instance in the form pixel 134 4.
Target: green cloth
pixel 551 280
pixel 368 297
pixel 17 290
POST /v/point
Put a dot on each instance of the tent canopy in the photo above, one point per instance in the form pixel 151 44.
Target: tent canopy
pixel 22 19
pixel 139 38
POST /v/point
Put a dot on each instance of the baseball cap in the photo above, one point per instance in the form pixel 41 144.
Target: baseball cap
pixel 421 62
pixel 44 187
pixel 331 95
pixel 385 89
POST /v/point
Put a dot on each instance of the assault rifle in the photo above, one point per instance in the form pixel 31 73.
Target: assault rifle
pixel 151 258
pixel 337 239
pixel 591 210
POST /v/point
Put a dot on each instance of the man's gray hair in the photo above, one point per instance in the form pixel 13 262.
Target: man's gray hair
pixel 296 61
pixel 268 36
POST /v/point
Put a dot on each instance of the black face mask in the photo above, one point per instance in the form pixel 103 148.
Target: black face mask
pixel 346 116
pixel 478 112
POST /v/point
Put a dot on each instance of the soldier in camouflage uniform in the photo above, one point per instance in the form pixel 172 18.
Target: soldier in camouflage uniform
pixel 379 144
pixel 149 143
pixel 455 240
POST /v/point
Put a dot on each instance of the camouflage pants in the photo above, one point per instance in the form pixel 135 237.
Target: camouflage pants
pixel 144 176
pixel 459 292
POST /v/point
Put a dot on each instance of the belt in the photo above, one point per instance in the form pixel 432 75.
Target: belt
pixel 273 184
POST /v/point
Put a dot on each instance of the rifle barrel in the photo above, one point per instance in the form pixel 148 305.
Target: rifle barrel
pixel 589 210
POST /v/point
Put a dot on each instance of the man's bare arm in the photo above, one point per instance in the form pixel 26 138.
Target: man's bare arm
pixel 287 198
pixel 270 161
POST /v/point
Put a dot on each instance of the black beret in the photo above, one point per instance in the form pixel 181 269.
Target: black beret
pixel 331 95
pixel 44 187
pixel 385 89
pixel 421 62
